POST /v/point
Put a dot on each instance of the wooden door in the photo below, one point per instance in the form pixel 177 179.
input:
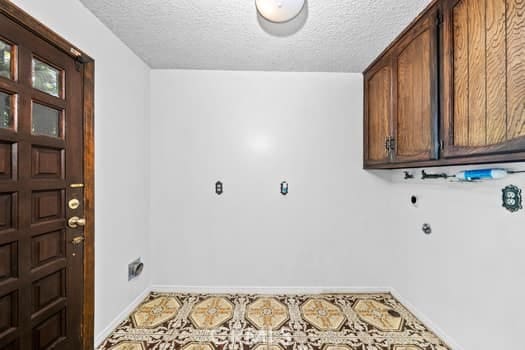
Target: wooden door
pixel 378 112
pixel 415 90
pixel 41 169
pixel 484 77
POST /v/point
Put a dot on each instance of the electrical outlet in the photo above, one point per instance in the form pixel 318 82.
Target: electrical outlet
pixel 512 200
pixel 135 269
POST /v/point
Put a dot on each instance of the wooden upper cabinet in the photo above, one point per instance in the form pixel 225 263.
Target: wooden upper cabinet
pixel 450 89
pixel 401 98
pixel 483 78
pixel 378 112
pixel 415 62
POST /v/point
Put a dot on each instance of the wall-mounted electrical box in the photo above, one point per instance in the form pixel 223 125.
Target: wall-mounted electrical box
pixel 135 268
pixel 284 188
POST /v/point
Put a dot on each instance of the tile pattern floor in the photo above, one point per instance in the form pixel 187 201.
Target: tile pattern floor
pixel 170 321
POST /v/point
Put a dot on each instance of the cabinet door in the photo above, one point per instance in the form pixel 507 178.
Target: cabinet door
pixel 484 77
pixel 378 112
pixel 416 87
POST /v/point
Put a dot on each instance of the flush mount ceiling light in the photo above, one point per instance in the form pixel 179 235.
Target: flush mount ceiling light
pixel 279 11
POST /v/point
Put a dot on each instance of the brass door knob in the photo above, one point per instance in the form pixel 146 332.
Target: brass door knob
pixel 75 222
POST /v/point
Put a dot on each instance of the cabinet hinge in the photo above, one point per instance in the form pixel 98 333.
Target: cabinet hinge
pixel 80 59
pixel 439 19
pixel 390 144
pixel 442 145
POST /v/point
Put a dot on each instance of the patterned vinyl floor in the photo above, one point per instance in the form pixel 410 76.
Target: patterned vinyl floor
pixel 166 321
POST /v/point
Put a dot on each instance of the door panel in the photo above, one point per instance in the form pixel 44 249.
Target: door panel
pixel 416 77
pixel 414 99
pixel 484 77
pixel 378 112
pixel 496 72
pixel 516 69
pixel 47 247
pixel 477 73
pixel 461 75
pixel 41 155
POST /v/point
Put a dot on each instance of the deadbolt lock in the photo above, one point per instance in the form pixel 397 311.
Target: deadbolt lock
pixel 75 222
pixel 73 203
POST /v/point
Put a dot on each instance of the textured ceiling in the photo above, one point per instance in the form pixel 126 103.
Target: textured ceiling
pixel 329 36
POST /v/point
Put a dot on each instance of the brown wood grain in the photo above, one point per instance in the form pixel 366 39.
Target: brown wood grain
pixel 463 160
pixel 401 97
pixel 477 73
pixel 515 68
pixel 414 115
pixel 379 113
pixel 496 72
pixel 482 84
pixel 86 260
pixel 503 78
pixel 50 279
pixel 88 317
pixel 461 74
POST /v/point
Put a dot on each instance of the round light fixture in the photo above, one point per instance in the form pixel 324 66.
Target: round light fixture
pixel 279 11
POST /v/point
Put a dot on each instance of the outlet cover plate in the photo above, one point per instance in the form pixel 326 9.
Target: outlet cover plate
pixel 512 200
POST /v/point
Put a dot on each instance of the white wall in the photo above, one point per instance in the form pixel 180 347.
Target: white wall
pixel 468 277
pixel 122 151
pixel 251 131
pixel 340 226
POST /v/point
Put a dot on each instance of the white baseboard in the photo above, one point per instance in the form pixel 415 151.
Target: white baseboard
pixel 99 338
pixel 265 290
pixel 426 321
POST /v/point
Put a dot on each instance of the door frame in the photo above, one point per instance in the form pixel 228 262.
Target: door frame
pixel 87 64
